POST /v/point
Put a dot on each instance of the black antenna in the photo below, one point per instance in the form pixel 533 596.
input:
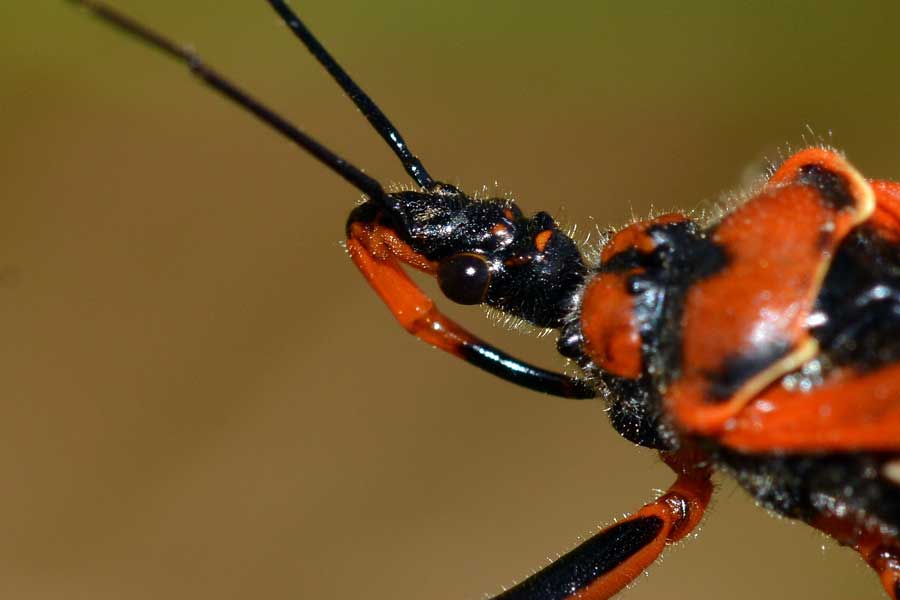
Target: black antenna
pixel 349 172
pixel 369 109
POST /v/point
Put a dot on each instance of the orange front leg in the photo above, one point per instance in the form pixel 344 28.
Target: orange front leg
pixel 380 254
pixel 880 549
pixel 886 562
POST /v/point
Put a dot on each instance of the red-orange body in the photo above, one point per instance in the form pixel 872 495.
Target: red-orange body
pixel 765 343
pixel 756 385
pixel 748 344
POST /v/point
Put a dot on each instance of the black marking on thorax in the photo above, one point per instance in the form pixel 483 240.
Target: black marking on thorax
pixel 737 369
pixel 859 303
pixel 833 186
pixel 683 256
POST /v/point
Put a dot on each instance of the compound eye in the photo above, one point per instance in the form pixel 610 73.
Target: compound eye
pixel 464 278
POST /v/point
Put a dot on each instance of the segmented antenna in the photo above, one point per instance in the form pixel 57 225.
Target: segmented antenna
pixel 363 102
pixel 210 77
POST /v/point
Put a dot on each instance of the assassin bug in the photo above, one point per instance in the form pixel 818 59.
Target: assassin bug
pixel 762 344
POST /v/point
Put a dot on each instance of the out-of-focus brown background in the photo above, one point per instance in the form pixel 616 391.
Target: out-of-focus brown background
pixel 201 398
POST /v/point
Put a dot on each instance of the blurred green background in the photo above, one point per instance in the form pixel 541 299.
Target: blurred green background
pixel 202 399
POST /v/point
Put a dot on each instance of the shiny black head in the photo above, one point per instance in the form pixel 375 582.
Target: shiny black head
pixel 487 252
pixel 481 252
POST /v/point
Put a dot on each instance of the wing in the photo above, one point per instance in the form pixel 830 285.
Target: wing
pixel 857 405
pixel 747 325
pixel 850 411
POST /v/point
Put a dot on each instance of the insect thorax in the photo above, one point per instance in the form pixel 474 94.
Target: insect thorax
pixel 627 331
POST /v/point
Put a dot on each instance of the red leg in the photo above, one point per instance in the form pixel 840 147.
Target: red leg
pixel 380 254
pixel 880 550
pixel 613 558
pixel 886 562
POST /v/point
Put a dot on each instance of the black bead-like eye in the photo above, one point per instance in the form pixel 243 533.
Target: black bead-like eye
pixel 464 278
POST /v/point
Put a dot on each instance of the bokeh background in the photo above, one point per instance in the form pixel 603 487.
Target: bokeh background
pixel 201 398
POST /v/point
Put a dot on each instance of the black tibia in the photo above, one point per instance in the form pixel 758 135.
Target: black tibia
pixel 588 562
pixel 534 270
pixel 502 365
pixel 614 557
